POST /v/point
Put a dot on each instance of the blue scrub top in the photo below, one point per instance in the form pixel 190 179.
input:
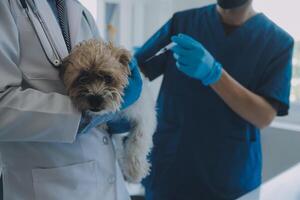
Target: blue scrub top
pixel 202 149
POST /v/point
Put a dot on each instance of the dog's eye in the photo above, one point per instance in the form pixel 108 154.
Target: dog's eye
pixel 108 79
pixel 83 79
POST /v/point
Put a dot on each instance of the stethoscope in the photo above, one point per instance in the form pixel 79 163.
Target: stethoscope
pixel 58 60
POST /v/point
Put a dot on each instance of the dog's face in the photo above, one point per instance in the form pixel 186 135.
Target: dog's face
pixel 95 75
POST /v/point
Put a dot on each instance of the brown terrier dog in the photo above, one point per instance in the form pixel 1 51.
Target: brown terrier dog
pixel 95 75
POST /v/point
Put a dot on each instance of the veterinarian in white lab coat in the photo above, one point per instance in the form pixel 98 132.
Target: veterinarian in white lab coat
pixel 42 154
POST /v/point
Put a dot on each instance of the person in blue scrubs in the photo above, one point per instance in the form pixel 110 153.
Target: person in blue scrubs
pixel 227 78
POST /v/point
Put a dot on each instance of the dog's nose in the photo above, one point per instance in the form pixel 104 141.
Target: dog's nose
pixel 95 101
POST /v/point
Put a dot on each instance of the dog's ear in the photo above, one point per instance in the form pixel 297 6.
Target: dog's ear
pixel 124 58
pixel 123 55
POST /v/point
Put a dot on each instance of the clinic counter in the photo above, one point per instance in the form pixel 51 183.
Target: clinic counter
pixel 285 186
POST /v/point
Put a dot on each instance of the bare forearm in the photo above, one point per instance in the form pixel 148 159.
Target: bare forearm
pixel 245 103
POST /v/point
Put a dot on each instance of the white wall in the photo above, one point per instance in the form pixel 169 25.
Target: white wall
pixel 187 4
pixel 156 14
pixel 281 151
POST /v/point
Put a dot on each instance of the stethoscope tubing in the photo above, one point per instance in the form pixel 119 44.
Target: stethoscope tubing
pixel 24 4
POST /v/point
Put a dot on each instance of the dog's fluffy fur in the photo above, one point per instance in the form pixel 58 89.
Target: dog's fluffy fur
pixel 95 75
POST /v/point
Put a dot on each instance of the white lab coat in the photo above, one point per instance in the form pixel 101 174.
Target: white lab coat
pixel 42 156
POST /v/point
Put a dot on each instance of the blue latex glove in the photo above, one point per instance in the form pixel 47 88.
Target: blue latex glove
pixel 118 125
pixel 195 61
pixel 90 121
pixel 133 91
pixel 132 94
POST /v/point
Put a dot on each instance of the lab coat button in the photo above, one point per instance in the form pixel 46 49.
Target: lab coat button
pixel 111 179
pixel 56 62
pixel 105 140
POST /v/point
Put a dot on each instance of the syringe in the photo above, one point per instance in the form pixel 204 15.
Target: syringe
pixel 162 51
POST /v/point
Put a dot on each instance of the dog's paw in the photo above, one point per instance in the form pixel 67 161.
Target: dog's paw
pixel 134 169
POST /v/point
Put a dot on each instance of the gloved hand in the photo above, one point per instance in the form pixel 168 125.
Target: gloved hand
pixel 119 125
pixel 195 61
pixel 132 93
pixel 133 90
pixel 90 120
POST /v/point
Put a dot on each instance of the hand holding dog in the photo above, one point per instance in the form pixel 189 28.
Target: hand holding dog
pixel 133 91
pixel 131 95
pixel 90 121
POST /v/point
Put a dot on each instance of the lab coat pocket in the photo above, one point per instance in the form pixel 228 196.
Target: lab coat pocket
pixel 74 182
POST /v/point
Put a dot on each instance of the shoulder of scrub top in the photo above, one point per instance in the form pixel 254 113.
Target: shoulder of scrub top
pixel 279 37
pixel 194 11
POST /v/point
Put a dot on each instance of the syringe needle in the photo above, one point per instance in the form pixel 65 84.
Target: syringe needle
pixel 150 58
pixel 162 51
